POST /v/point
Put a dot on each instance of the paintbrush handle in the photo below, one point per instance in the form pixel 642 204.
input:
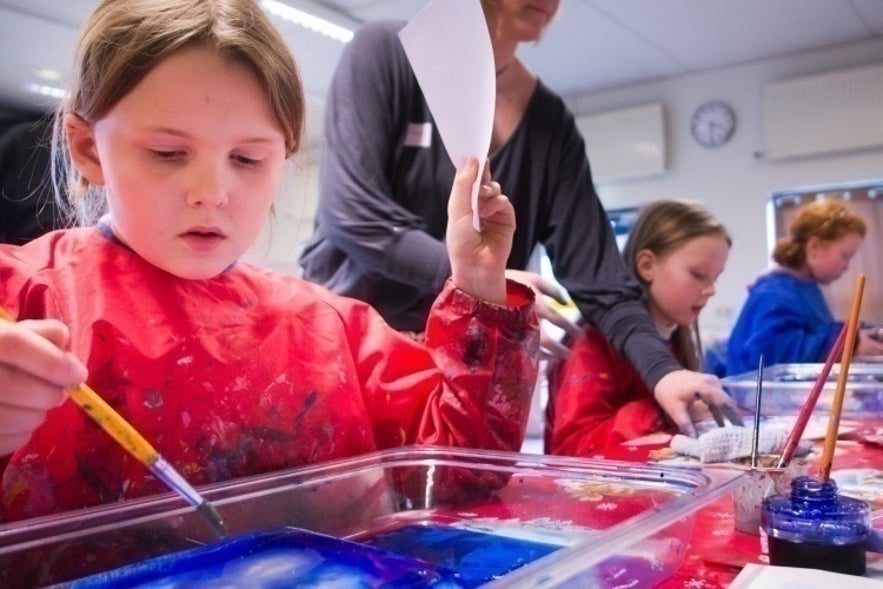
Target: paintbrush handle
pixel 758 391
pixel 810 404
pixel 128 437
pixel 837 403
pixel 109 420
pixel 114 424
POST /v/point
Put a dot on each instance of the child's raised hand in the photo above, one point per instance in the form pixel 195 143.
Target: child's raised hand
pixel 478 260
pixel 34 370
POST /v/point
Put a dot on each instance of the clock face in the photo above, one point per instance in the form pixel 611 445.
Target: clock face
pixel 713 123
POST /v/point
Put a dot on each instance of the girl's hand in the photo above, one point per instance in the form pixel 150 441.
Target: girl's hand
pixel 34 371
pixel 677 391
pixel 868 345
pixel 478 260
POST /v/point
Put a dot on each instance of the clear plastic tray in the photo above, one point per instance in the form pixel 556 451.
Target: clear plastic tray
pixel 609 522
pixel 786 387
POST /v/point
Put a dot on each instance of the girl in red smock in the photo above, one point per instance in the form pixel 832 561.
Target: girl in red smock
pixel 596 397
pixel 182 116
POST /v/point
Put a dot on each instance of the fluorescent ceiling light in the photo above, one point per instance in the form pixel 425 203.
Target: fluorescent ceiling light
pixel 46 90
pixel 46 74
pixel 306 20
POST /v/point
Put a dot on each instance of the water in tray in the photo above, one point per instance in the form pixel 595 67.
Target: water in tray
pixel 281 558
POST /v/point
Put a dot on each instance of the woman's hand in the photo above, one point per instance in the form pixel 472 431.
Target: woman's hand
pixel 478 260
pixel 35 369
pixel 677 391
pixel 543 288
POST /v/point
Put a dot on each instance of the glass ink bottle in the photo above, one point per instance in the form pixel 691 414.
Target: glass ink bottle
pixel 814 527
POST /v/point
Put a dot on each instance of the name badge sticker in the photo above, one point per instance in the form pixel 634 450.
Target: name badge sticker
pixel 418 135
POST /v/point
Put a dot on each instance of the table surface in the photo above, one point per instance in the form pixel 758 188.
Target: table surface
pixel 717 552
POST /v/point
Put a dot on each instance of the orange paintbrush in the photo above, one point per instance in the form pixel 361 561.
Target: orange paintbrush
pixel 837 404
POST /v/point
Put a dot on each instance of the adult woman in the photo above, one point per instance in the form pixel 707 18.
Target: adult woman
pixel 785 317
pixel 381 218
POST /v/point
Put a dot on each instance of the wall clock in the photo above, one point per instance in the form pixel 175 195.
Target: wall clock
pixel 713 123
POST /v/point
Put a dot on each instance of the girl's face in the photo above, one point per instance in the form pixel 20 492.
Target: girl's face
pixel 828 260
pixel 681 282
pixel 191 160
pixel 520 20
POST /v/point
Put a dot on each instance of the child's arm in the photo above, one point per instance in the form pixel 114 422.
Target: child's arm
pixel 598 400
pixel 34 369
pixel 471 384
pixel 478 260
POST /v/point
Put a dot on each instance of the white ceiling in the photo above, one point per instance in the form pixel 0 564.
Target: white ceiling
pixel 594 45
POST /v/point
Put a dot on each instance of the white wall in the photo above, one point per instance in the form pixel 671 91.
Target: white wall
pixel 733 181
pixel 278 245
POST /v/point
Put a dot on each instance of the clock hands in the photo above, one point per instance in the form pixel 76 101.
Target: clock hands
pixel 713 123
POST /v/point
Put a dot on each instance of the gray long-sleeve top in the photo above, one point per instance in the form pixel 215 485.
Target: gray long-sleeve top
pixel 385 181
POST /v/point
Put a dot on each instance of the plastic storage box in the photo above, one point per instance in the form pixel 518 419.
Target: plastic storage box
pixel 786 387
pixel 602 523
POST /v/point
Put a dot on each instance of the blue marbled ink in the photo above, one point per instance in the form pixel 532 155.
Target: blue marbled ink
pixel 476 557
pixel 277 559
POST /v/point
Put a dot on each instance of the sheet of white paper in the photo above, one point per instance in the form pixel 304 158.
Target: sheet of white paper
pixel 758 576
pixel 449 48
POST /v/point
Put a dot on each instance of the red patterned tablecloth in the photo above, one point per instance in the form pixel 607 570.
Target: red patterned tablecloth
pixel 717 552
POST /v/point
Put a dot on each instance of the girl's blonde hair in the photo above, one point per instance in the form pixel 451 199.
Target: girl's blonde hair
pixel 661 228
pixel 827 220
pixel 124 40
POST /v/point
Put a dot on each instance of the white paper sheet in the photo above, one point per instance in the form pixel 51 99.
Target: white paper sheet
pixel 449 48
pixel 758 576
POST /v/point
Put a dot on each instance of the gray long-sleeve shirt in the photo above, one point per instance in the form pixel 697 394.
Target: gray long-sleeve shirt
pixel 385 181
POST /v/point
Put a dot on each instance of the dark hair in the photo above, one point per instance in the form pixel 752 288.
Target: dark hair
pixel 123 40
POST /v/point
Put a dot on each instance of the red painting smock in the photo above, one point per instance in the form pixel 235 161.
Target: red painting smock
pixel 249 372
pixel 597 399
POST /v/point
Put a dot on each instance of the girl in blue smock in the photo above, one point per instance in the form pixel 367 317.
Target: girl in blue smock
pixel 785 317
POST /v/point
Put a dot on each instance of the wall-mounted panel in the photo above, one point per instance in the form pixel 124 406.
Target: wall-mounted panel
pixel 624 144
pixel 831 112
